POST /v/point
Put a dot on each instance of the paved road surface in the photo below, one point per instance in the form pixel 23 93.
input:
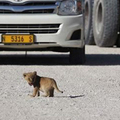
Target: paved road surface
pixel 91 91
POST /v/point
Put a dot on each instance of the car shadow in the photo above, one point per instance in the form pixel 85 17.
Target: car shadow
pixel 103 59
pixel 34 59
pixel 58 59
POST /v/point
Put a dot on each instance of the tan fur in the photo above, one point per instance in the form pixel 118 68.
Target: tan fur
pixel 44 84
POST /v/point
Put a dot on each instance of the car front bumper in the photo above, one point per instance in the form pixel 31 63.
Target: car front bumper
pixel 62 38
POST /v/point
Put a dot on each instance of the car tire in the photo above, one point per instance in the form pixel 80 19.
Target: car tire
pixel 77 56
pixel 118 41
pixel 105 22
pixel 89 39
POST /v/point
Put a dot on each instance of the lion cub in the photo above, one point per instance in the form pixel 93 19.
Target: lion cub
pixel 44 84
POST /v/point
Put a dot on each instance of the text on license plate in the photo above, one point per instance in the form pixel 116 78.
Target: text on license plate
pixel 17 38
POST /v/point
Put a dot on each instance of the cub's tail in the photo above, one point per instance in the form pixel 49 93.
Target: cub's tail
pixel 56 87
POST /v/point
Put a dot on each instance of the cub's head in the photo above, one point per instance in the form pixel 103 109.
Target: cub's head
pixel 30 77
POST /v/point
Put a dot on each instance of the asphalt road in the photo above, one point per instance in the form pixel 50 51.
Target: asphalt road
pixel 91 91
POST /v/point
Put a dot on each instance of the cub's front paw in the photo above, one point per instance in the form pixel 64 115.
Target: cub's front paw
pixel 31 95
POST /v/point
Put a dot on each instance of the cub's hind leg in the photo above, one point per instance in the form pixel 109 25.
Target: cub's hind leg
pixel 51 93
pixel 47 94
pixel 38 94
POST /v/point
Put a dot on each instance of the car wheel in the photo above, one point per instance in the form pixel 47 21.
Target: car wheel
pixel 118 41
pixel 89 39
pixel 105 22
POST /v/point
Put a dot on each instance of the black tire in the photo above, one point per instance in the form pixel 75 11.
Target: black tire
pixel 89 39
pixel 105 22
pixel 77 56
pixel 118 38
pixel 118 41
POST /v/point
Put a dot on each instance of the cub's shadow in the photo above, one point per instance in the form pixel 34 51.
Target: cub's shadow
pixel 71 96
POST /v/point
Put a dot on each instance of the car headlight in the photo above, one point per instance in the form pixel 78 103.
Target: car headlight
pixel 70 7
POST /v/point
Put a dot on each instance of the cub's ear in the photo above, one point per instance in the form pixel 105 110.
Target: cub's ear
pixel 24 74
pixel 35 73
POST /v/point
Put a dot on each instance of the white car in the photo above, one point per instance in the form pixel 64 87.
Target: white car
pixel 43 25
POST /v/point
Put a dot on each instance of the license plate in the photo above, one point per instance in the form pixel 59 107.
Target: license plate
pixel 18 39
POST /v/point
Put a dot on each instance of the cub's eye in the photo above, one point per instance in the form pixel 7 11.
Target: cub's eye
pixel 24 75
pixel 30 79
